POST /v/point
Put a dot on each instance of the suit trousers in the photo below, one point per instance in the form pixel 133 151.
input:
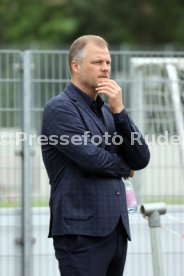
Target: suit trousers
pixel 80 255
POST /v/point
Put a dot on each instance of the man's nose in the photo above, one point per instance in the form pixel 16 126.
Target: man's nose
pixel 105 66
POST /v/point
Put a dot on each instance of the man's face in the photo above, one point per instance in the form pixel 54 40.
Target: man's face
pixel 95 65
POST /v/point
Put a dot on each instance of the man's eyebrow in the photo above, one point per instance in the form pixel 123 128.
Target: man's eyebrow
pixel 100 59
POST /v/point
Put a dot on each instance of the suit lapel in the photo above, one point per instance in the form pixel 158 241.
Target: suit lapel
pixel 75 97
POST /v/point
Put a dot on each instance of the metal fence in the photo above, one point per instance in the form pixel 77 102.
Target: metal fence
pixel 153 92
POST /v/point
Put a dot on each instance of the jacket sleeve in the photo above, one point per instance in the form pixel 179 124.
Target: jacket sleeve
pixel 66 132
pixel 133 148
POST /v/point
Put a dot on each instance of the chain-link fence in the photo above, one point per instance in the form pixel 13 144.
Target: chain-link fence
pixel 153 93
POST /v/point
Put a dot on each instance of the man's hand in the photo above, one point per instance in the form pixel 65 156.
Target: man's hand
pixel 111 89
pixel 132 173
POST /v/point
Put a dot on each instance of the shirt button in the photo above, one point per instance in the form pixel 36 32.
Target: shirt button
pixel 117 193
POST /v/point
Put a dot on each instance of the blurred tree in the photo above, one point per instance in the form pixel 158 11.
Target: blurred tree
pixel 136 22
pixel 57 22
pixel 36 21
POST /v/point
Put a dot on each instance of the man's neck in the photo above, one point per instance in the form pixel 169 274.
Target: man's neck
pixel 90 92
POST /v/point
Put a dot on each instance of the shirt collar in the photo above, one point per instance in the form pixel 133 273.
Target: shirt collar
pixel 96 106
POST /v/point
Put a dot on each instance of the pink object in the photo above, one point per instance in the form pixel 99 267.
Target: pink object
pixel 130 196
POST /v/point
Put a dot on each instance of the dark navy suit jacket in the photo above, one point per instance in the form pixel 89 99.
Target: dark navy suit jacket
pixel 87 192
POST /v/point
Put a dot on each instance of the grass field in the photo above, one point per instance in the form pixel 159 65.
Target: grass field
pixel 10 203
pixel 44 202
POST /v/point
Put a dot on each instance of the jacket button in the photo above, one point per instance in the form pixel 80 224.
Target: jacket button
pixel 117 193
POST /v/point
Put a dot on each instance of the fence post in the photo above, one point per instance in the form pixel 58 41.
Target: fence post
pixel 26 167
pixel 153 212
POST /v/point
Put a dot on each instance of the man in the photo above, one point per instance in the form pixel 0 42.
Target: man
pixel 91 146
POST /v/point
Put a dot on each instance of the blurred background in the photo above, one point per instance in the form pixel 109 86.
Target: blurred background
pixel 138 24
pixel 146 40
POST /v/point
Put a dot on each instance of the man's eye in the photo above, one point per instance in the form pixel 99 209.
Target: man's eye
pixel 101 62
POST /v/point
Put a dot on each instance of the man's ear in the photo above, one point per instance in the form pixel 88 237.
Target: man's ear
pixel 75 66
